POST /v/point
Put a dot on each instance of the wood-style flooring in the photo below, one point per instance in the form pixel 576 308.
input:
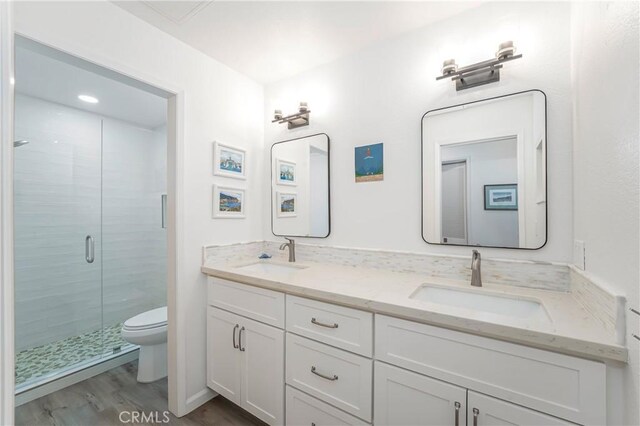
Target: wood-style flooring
pixel 100 400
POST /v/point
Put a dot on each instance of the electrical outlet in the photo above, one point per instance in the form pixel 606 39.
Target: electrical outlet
pixel 579 254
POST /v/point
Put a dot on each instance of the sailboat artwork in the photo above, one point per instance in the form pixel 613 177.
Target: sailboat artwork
pixel 369 163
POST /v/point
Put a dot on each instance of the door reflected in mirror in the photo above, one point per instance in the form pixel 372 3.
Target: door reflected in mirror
pixel 300 187
pixel 484 173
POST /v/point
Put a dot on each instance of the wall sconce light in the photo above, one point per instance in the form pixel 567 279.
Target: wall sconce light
pixel 299 119
pixel 480 73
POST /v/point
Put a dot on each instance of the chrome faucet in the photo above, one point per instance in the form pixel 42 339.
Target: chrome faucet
pixel 476 274
pixel 292 248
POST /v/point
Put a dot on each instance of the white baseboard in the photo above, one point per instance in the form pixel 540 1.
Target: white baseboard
pixel 196 400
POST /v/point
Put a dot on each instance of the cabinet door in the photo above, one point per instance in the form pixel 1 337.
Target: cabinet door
pixel 223 360
pixel 262 348
pixel 487 411
pixel 405 398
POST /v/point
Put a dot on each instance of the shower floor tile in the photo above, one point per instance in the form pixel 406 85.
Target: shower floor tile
pixel 52 358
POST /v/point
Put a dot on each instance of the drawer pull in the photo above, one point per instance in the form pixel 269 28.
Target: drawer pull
pixel 313 370
pixel 475 416
pixel 240 340
pixel 235 345
pixel 457 405
pixel 322 324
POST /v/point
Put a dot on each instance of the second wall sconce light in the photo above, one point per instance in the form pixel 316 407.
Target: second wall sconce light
pixel 480 73
pixel 299 119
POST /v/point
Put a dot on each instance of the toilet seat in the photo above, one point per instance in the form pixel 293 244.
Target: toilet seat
pixel 154 318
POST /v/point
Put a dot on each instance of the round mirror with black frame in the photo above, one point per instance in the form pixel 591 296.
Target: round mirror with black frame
pixel 484 173
pixel 300 190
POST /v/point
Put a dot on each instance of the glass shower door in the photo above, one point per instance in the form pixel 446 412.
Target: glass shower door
pixel 58 292
pixel 134 241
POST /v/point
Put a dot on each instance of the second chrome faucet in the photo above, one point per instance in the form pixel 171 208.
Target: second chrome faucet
pixel 292 248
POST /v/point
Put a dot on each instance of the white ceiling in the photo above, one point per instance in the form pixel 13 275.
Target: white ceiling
pixel 57 77
pixel 272 40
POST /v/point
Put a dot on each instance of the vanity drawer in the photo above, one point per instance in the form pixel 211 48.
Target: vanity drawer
pixel 303 409
pixel 260 304
pixel 340 378
pixel 564 386
pixel 345 328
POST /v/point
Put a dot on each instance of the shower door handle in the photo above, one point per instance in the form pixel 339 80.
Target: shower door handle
pixel 89 249
pixel 163 207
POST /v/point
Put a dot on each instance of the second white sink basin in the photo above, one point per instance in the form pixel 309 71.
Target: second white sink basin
pixel 523 310
pixel 270 268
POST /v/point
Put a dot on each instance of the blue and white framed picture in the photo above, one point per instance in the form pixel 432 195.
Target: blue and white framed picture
pixel 229 161
pixel 287 204
pixel 369 163
pixel 501 197
pixel 285 172
pixel 228 202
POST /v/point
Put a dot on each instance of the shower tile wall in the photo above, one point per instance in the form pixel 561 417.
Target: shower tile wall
pixel 134 244
pixel 58 178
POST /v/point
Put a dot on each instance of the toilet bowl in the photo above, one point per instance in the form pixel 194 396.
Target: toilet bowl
pixel 149 331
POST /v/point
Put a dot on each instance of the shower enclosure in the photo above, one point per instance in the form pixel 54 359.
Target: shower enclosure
pixel 90 242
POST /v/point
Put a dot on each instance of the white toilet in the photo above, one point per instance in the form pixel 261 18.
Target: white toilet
pixel 149 331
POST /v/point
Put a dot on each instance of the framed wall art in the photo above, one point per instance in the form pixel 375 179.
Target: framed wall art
pixel 228 202
pixel 229 161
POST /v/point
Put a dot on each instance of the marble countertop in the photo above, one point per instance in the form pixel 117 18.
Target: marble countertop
pixel 571 330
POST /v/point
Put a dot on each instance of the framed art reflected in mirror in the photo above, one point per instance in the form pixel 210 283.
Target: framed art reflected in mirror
pixel 300 200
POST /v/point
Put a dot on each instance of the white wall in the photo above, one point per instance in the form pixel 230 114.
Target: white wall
pixel 381 93
pixel 606 157
pixel 219 104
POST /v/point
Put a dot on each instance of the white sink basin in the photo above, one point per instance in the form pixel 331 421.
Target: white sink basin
pixel 486 305
pixel 270 268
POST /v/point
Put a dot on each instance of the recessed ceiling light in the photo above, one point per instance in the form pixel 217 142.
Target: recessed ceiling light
pixel 88 99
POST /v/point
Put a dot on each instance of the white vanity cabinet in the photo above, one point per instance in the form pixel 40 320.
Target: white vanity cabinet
pixel 339 365
pixel 559 385
pixel 245 358
pixel 406 398
pixel 402 397
pixel 486 411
